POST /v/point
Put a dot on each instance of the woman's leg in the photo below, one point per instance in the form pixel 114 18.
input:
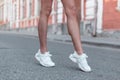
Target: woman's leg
pixel 46 7
pixel 43 56
pixel 72 9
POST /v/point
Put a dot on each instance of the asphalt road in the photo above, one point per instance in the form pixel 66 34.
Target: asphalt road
pixel 17 61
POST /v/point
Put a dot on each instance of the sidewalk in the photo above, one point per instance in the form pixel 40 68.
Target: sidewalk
pixel 112 41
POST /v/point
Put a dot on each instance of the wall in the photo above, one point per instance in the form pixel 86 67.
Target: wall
pixel 111 16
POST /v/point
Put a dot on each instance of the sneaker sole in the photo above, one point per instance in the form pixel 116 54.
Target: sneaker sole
pixel 75 61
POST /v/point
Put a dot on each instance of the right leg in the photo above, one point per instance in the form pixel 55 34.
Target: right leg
pixel 46 7
pixel 72 9
pixel 43 56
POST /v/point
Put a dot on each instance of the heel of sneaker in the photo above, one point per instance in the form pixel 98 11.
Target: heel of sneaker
pixel 72 58
pixel 36 57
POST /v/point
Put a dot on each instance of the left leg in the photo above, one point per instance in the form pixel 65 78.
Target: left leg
pixel 72 10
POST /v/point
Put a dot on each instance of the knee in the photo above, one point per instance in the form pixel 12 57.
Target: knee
pixel 46 11
pixel 72 11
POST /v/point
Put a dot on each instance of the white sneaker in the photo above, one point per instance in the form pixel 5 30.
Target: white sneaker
pixel 81 61
pixel 44 59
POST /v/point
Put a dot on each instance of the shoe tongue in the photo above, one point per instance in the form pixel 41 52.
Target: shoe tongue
pixel 84 55
pixel 47 54
pixel 81 56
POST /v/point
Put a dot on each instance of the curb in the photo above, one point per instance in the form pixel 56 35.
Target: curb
pixel 94 43
pixel 100 44
pixel 84 41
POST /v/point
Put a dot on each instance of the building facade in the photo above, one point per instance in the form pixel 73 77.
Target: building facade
pixel 111 15
pixel 98 15
pixel 106 14
pixel 1 12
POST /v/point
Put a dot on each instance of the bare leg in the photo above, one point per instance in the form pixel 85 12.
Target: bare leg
pixel 46 7
pixel 72 9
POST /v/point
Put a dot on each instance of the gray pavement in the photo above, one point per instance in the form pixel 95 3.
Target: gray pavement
pixel 105 39
pixel 17 60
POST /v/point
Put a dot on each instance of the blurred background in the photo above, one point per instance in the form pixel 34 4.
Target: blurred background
pixel 100 36
pixel 98 16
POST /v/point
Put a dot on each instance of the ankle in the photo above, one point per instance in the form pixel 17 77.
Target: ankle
pixel 79 52
pixel 43 51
